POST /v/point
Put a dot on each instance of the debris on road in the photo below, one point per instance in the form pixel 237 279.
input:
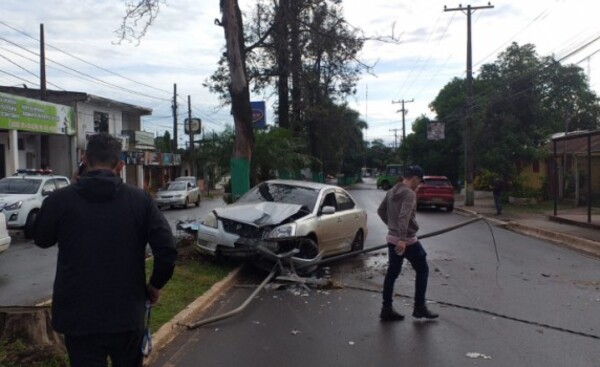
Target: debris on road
pixel 478 355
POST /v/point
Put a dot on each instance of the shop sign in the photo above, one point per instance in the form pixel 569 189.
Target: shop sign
pixel 20 113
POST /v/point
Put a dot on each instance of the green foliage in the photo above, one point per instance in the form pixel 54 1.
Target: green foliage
pixel 193 276
pixel 441 157
pixel 519 100
pixel 163 143
pixel 484 180
pixel 520 189
pixel 277 149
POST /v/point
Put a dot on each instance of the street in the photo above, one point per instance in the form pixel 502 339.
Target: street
pixel 537 306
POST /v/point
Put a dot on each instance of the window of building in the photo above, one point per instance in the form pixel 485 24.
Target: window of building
pixel 100 122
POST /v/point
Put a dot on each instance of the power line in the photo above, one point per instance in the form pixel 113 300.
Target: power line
pixel 85 61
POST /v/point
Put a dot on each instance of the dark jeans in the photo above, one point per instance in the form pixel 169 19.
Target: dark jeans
pixel 498 203
pixel 124 349
pixel 417 257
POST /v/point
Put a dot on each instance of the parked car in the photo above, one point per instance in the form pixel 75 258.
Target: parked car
pixel 278 216
pixel 4 236
pixel 436 191
pixel 194 181
pixel 190 179
pixel 389 177
pixel 22 194
pixel 178 193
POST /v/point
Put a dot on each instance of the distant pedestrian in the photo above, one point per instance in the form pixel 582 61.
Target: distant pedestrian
pixel 102 227
pixel 398 212
pixel 497 189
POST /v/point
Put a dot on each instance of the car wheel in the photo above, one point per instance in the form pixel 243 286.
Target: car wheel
pixel 30 223
pixel 308 250
pixel 198 200
pixel 385 185
pixel 172 206
pixel 450 208
pixel 186 203
pixel 359 241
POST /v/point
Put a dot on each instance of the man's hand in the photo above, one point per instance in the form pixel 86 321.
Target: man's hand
pixel 400 247
pixel 153 294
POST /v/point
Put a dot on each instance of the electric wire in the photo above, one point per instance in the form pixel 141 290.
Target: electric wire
pixel 83 60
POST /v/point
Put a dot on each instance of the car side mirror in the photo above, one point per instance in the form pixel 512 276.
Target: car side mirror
pixel 327 209
pixel 46 192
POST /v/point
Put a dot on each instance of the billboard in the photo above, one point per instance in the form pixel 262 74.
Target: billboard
pixel 435 130
pixel 20 113
pixel 259 114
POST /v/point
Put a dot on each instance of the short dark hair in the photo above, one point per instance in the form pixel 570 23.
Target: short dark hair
pixel 103 150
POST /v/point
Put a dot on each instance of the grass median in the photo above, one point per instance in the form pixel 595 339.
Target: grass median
pixel 193 276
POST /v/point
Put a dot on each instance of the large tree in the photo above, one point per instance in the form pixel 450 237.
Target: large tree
pixel 307 53
pixel 520 99
pixel 144 12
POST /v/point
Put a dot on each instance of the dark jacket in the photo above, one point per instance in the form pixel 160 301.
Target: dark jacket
pixel 102 227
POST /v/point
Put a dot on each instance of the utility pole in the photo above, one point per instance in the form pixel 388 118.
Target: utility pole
pixel 469 191
pixel 403 110
pixel 192 160
pixel 395 138
pixel 43 96
pixel 174 106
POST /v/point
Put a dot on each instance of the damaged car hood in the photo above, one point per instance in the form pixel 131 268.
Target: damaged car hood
pixel 260 213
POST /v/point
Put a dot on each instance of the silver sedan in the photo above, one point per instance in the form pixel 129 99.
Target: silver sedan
pixel 312 219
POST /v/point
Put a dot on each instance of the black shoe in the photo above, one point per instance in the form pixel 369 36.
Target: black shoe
pixel 389 314
pixel 422 312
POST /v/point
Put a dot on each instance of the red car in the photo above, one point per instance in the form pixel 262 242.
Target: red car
pixel 436 191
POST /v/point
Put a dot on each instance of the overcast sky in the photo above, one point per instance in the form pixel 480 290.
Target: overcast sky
pixel 183 47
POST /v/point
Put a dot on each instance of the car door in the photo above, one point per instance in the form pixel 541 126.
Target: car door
pixel 349 219
pixel 328 227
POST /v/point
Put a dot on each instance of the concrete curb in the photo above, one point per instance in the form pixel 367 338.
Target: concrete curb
pixel 583 245
pixel 171 329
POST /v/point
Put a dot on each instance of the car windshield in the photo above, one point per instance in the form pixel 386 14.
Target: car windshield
pixel 177 186
pixel 437 182
pixel 281 193
pixel 19 186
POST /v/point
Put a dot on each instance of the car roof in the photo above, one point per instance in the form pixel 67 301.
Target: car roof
pixel 32 177
pixel 435 177
pixel 307 184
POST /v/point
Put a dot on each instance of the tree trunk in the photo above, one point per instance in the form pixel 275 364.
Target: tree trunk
pixel 282 50
pixel 32 327
pixel 296 66
pixel 240 97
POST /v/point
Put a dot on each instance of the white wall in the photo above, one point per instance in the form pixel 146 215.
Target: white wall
pixel 85 121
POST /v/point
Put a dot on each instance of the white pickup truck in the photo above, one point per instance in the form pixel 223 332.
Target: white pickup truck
pixel 22 194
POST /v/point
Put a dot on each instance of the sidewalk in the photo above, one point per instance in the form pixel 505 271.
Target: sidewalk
pixel 572 231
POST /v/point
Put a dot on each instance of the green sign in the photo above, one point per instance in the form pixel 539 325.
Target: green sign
pixel 20 113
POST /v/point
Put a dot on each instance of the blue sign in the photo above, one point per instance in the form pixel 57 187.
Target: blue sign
pixel 259 114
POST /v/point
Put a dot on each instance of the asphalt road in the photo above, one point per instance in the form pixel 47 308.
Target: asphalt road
pixel 27 271
pixel 538 305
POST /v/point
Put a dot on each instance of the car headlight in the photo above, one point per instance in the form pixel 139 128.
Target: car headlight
pixel 210 220
pixel 284 231
pixel 14 206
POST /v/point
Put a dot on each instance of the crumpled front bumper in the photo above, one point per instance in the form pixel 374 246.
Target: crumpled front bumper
pixel 216 241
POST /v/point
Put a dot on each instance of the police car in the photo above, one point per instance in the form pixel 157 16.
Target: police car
pixel 22 194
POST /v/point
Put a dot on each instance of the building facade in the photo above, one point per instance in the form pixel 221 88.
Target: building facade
pixel 53 133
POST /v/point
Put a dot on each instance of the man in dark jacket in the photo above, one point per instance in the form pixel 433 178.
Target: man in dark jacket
pixel 102 227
